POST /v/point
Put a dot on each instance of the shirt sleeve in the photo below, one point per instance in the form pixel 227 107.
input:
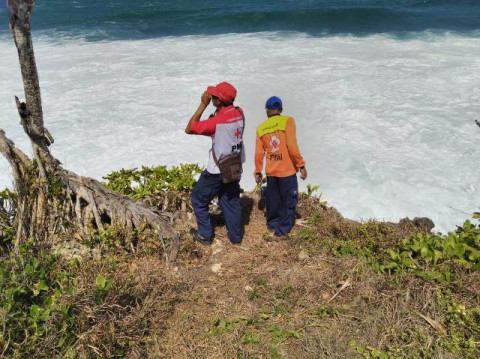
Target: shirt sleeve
pixel 204 128
pixel 259 155
pixel 292 145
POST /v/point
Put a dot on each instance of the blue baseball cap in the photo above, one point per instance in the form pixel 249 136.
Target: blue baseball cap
pixel 274 103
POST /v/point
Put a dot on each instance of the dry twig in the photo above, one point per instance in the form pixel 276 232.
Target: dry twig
pixel 347 283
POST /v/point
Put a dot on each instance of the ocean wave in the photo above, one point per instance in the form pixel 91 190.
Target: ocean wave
pixel 129 19
pixel 386 126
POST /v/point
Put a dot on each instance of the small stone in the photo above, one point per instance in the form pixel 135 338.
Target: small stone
pixel 217 250
pixel 326 295
pixel 303 255
pixel 71 249
pixel 216 267
pixel 248 288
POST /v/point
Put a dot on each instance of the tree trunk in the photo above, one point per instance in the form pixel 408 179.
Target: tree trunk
pixel 51 199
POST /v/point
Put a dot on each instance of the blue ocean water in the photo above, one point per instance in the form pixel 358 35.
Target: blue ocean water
pixel 139 19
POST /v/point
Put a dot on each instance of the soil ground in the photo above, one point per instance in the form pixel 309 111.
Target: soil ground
pixel 320 292
pixel 289 297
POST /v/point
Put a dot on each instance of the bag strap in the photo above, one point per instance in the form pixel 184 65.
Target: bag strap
pixel 241 148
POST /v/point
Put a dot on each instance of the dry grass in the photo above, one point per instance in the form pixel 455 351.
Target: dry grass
pixel 267 301
pixel 269 298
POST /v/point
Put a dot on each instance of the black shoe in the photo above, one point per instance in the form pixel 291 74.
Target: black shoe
pixel 199 238
pixel 271 229
pixel 237 243
pixel 280 235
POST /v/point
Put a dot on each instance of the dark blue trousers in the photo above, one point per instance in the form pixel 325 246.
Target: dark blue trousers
pixel 281 199
pixel 207 188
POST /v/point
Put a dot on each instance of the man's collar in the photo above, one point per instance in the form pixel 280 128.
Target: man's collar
pixel 225 109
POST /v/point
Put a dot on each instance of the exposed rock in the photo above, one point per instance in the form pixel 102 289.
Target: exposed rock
pixel 216 267
pixel 326 295
pixel 303 255
pixel 424 224
pixel 72 249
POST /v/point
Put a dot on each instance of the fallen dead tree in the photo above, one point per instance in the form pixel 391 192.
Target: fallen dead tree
pixel 50 198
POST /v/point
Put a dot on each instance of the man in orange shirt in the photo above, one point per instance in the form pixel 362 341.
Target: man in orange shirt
pixel 277 140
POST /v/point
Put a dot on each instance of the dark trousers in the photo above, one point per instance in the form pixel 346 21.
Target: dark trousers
pixel 207 188
pixel 281 199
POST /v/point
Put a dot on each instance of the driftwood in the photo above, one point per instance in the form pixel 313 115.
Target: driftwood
pixel 52 199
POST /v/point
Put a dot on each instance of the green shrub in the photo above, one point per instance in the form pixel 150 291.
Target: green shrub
pixel 435 256
pixel 226 325
pixel 462 325
pixel 280 335
pixel 102 287
pixel 139 183
pixel 312 193
pixel 30 296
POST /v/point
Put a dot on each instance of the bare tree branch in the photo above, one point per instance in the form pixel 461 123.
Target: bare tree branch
pixel 46 191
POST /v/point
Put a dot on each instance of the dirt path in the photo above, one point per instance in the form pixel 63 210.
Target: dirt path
pixel 290 297
pixel 240 294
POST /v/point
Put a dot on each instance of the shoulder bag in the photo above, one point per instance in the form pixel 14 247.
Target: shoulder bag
pixel 231 165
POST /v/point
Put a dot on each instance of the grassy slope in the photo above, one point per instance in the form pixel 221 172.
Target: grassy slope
pixel 269 298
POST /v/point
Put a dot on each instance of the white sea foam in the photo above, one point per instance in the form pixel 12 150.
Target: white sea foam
pixel 386 125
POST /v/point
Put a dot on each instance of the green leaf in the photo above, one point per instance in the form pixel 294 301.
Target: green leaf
pixel 459 250
pixel 294 334
pixel 425 251
pixel 109 284
pixel 34 311
pixel 100 281
pixel 393 254
pixel 360 350
pixel 38 287
pixel 448 276
pixel 474 255
pixel 29 269
pixel 45 314
pixel 476 267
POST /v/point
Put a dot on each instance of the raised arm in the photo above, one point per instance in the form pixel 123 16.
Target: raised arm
pixel 205 100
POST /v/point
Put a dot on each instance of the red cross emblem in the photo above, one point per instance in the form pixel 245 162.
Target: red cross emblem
pixel 274 143
pixel 238 133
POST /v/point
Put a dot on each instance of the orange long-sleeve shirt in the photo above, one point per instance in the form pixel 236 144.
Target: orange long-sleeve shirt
pixel 277 140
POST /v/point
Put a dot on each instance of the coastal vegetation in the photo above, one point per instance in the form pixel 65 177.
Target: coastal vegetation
pixel 333 288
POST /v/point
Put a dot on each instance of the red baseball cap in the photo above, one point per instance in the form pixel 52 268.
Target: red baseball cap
pixel 224 91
